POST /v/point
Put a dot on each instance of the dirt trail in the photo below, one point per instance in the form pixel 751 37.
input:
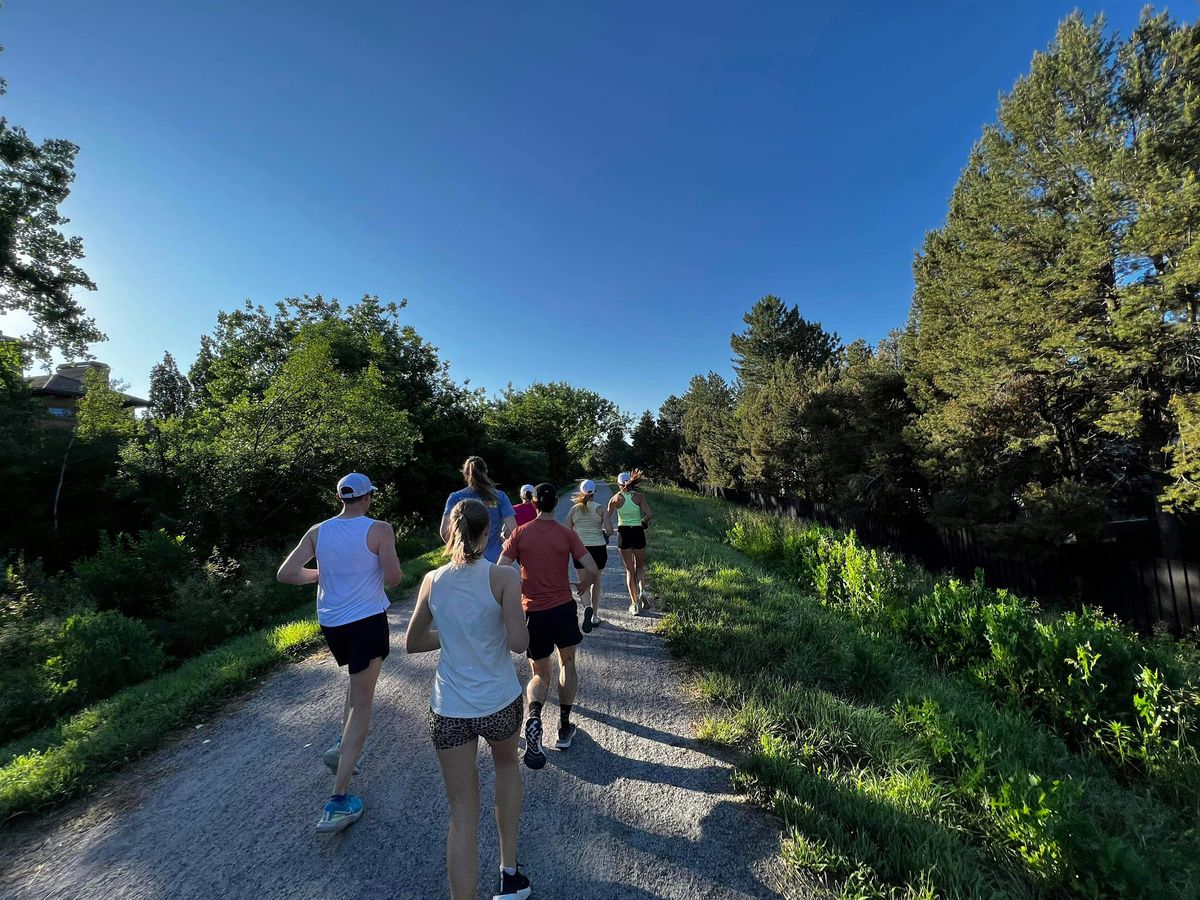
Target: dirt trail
pixel 635 809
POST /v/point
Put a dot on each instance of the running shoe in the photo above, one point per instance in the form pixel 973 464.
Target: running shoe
pixel 333 756
pixel 338 814
pixel 566 734
pixel 512 887
pixel 535 757
pixel 634 609
pixel 589 621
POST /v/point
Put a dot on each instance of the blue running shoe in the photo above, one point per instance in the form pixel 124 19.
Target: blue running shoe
pixel 338 814
pixel 535 757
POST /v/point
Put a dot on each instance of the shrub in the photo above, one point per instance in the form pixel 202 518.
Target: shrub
pixel 1083 673
pixel 95 654
pixel 135 575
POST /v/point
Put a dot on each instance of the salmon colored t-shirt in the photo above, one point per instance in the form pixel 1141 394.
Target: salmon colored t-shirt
pixel 544 549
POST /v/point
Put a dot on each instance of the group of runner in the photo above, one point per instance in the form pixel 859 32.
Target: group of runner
pixel 476 610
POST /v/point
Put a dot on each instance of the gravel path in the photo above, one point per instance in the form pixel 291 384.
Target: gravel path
pixel 635 809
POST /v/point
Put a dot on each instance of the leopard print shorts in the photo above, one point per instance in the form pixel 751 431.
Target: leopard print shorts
pixel 448 732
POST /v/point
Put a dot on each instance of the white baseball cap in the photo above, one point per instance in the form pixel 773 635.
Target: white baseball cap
pixel 622 478
pixel 526 489
pixel 354 485
pixel 587 486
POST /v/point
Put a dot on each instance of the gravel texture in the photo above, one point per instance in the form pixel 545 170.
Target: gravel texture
pixel 637 808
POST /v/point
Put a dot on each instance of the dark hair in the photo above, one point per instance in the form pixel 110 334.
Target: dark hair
pixel 527 496
pixel 468 520
pixel 356 499
pixel 475 473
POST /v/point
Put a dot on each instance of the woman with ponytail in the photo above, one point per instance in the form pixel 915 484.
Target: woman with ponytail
pixel 594 527
pixel 502 518
pixel 470 610
pixel 633 518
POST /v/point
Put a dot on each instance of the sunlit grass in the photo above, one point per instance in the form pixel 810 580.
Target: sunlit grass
pixel 894 779
pixel 76 754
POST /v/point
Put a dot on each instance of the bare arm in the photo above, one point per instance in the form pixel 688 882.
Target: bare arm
pixel 444 528
pixel 606 522
pixel 647 515
pixel 383 536
pixel 420 636
pixel 508 526
pixel 294 569
pixel 506 588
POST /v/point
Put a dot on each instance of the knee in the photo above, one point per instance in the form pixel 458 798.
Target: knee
pixel 504 756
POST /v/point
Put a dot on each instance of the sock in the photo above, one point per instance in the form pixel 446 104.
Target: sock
pixel 509 870
pixel 535 709
pixel 338 798
pixel 564 712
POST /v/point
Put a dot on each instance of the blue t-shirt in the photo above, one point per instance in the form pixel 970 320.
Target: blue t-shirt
pixel 497 514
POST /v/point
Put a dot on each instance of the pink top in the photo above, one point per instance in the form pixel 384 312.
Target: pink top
pixel 525 512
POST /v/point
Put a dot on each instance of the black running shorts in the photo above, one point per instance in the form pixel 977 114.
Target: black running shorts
pixel 599 556
pixel 449 732
pixel 554 627
pixel 631 537
pixel 357 643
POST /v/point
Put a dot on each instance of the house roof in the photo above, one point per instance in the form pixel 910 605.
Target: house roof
pixel 68 382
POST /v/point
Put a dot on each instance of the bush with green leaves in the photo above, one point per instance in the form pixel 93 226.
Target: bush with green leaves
pixel 135 574
pixel 1098 683
pixel 96 654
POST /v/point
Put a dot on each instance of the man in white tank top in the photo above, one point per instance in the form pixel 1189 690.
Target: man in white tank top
pixel 356 560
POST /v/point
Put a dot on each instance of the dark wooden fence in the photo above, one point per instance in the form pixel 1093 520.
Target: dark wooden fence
pixel 1143 591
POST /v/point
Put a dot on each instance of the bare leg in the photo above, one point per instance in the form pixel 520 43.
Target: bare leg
pixel 539 682
pixel 462 838
pixel 358 722
pixel 631 582
pixel 639 559
pixel 568 676
pixel 595 600
pixel 508 797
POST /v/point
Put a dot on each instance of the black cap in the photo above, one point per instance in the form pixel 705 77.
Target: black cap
pixel 545 496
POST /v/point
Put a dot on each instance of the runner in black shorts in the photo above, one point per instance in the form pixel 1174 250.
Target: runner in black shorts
pixel 356 559
pixel 542 547
pixel 633 517
pixel 591 522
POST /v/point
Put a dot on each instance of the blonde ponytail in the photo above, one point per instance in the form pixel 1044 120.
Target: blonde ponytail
pixel 468 520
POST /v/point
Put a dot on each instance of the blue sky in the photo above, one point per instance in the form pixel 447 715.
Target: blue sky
pixel 591 192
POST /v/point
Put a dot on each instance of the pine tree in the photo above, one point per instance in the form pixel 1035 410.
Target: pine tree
pixel 776 333
pixel 1053 312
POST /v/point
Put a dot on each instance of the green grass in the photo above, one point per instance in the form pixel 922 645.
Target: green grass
pixel 75 755
pixel 895 778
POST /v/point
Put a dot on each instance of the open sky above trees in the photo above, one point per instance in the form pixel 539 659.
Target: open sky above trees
pixel 567 171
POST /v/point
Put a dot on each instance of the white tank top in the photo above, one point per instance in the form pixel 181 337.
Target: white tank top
pixel 475 673
pixel 350 579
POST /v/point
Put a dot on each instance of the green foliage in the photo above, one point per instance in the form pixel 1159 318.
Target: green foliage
pixel 897 774
pixel 711 444
pixel 1055 310
pixel 1184 492
pixel 73 756
pixel 1081 673
pixel 566 422
pixel 38 269
pixel 776 333
pixel 101 412
pixel 170 392
pixel 135 574
pixel 96 654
